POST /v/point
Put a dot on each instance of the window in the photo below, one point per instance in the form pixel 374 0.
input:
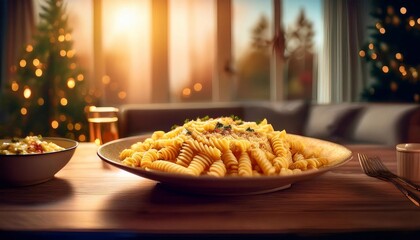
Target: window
pixel 142 51
pixel 126 51
pixel 252 30
pixel 304 36
pixel 191 49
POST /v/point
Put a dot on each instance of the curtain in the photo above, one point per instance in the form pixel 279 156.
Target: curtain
pixel 342 75
pixel 17 27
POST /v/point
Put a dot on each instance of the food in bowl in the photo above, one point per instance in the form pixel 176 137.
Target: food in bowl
pixel 28 145
pixel 35 166
pixel 224 146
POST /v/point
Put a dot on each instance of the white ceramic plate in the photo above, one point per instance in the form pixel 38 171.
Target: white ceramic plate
pixel 337 155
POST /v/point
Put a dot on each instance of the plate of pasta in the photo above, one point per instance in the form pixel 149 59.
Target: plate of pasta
pixel 225 156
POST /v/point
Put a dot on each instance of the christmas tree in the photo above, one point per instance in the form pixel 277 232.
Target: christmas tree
pixel 48 93
pixel 393 52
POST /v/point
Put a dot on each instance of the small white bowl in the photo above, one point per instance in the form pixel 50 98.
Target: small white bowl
pixel 30 169
pixel 408 161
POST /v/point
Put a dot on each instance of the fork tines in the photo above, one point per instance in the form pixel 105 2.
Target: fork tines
pixel 373 167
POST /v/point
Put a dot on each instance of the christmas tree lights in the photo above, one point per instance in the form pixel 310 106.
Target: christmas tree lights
pixel 393 52
pixel 48 94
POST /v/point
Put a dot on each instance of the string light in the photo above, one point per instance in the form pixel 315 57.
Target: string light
pixel 61 38
pixel 382 30
pixel 402 70
pixel 63 101
pixel 106 79
pixel 398 56
pixel 385 69
pixel 362 53
pixel 403 10
pixel 27 93
pixel 186 92
pixel 82 138
pixel 35 62
pixel 29 48
pixel 71 83
pixel 63 53
pixel 70 53
pixel 412 23
pixel 374 56
pixel 14 86
pixel 68 37
pixel 22 63
pixel 78 126
pixel 38 72
pixel 198 87
pixel 40 101
pixel 122 95
pixel 23 111
pixel 80 77
pixel 63 117
pixel 54 124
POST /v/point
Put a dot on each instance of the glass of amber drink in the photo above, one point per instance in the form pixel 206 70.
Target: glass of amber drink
pixel 103 124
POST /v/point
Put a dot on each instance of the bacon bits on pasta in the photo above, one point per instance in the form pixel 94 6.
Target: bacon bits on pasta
pixel 224 146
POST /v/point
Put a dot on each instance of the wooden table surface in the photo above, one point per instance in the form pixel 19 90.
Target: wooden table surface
pixel 89 198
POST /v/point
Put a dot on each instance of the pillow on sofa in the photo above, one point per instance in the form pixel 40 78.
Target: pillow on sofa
pixel 385 123
pixel 328 121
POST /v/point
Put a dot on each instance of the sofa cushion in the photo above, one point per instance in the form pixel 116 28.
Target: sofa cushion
pixel 329 121
pixel 383 123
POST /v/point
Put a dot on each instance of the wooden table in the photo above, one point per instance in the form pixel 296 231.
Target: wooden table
pixel 90 199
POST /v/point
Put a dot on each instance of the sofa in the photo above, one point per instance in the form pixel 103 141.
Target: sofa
pixel 343 123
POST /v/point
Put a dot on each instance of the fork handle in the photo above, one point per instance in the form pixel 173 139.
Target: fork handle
pixel 409 194
pixel 408 183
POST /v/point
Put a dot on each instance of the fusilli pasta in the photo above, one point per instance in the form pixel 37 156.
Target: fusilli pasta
pixel 224 146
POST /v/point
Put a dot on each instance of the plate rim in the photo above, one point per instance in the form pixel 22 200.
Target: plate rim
pixel 156 175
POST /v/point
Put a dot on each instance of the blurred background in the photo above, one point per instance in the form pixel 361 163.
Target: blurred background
pixel 60 56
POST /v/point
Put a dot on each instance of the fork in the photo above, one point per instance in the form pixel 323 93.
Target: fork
pixel 382 170
pixel 373 167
